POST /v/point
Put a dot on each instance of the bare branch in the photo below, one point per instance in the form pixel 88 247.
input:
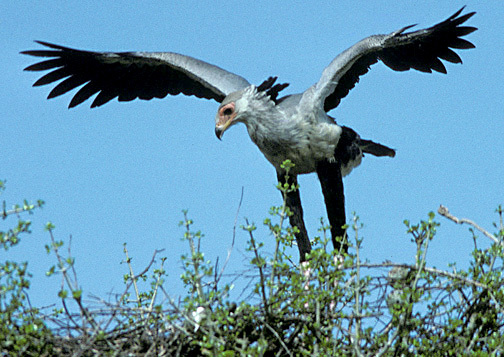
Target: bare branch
pixel 443 211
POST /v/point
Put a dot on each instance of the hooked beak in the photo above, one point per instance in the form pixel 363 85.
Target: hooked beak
pixel 219 132
pixel 221 128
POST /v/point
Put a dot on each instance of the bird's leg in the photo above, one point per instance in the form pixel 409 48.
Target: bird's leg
pixel 293 201
pixel 331 180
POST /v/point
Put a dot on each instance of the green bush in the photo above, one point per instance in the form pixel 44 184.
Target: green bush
pixel 22 330
pixel 330 305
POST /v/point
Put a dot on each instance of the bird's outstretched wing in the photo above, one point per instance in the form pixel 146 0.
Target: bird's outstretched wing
pixel 420 50
pixel 130 75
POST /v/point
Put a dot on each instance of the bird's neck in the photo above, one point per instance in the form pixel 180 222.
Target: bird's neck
pixel 263 119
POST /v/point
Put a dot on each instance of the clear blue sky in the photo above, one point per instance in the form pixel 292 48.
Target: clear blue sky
pixel 123 172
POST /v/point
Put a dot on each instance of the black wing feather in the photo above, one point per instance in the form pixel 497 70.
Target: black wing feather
pixel 45 65
pixel 130 75
pixel 67 85
pixel 84 93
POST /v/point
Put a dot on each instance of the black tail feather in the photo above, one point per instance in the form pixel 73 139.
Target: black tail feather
pixel 370 147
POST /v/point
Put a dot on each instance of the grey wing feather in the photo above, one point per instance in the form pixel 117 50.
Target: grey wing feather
pixel 130 75
pixel 420 50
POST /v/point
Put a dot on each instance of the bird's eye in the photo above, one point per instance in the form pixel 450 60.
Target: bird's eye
pixel 227 111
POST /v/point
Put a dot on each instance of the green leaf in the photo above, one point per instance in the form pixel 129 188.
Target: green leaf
pixel 76 294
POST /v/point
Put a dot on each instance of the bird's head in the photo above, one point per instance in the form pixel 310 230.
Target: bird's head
pixel 231 111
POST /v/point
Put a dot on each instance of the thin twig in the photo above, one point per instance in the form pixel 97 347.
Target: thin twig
pixel 430 270
pixel 66 278
pixel 283 213
pixel 132 275
pixel 141 273
pixel 259 266
pixel 194 257
pixel 278 338
pixel 230 249
pixel 17 210
pixel 443 211
pixel 156 287
pixel 357 306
